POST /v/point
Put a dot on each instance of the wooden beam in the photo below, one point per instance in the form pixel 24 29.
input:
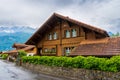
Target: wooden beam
pixel 38 35
pixel 31 42
pixel 48 26
pixel 58 19
pixel 70 24
pixel 35 39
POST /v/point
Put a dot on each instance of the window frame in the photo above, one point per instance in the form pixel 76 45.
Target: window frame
pixel 67 34
pixel 74 34
pixel 55 36
pixel 45 50
pixel 50 36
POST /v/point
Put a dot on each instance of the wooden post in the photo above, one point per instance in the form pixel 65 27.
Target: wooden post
pixel 59 47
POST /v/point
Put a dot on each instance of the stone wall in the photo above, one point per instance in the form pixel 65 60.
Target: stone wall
pixel 73 73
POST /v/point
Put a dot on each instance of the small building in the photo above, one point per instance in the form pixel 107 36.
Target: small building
pixel 30 49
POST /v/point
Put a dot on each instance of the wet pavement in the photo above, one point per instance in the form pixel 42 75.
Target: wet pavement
pixel 8 71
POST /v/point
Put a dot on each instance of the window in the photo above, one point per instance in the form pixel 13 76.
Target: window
pixel 45 50
pixel 50 36
pixel 67 51
pixel 74 33
pixel 55 35
pixel 50 50
pixel 67 33
pixel 53 50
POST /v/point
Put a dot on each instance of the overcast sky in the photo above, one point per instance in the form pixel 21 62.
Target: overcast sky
pixel 104 14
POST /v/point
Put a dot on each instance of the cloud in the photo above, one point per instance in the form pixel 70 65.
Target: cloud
pixel 100 13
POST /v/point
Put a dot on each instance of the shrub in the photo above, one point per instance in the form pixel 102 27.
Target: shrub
pixel 92 62
pixel 21 53
pixel 78 62
pixel 4 56
pixel 0 55
pixel 95 63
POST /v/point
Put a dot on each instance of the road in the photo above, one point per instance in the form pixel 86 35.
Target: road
pixel 8 71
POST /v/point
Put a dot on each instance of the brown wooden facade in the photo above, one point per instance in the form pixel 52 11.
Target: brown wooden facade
pixel 61 35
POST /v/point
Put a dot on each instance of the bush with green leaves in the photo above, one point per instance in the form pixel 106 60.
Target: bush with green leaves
pixel 90 62
pixel 21 53
pixel 0 55
pixel 4 56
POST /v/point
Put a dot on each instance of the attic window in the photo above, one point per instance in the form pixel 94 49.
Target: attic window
pixel 55 35
pixel 67 34
pixel 50 36
pixel 74 33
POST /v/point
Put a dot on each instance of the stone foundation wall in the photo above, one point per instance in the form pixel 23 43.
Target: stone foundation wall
pixel 73 73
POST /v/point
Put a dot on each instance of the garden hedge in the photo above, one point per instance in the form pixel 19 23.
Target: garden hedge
pixel 93 63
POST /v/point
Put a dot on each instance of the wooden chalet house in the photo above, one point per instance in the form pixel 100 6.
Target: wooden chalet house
pixel 60 36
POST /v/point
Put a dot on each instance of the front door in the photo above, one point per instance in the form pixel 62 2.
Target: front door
pixel 39 51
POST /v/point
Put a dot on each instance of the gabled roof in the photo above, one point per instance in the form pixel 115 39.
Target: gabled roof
pixel 25 48
pixel 57 17
pixel 11 52
pixel 103 47
pixel 20 45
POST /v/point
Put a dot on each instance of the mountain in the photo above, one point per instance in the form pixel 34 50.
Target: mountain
pixel 11 35
pixel 117 34
pixel 15 29
pixel 110 34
